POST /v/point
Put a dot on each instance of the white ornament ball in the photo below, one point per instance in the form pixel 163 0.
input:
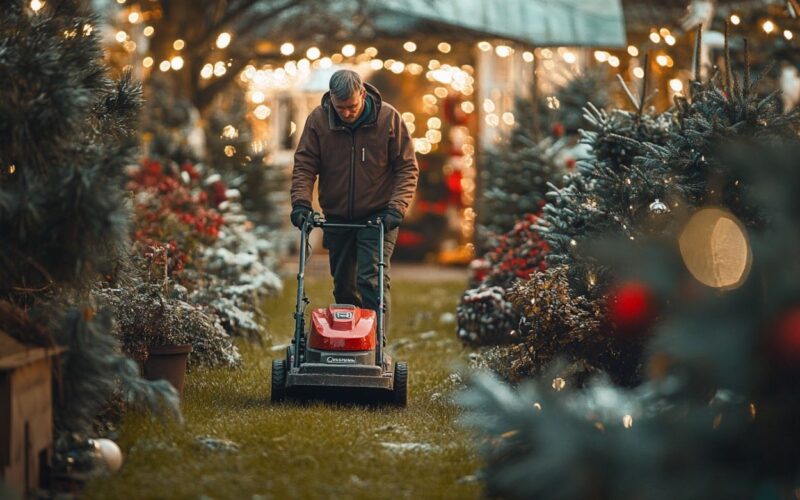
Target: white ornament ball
pixel 658 207
pixel 112 455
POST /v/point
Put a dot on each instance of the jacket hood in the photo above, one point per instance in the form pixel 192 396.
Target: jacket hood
pixel 328 107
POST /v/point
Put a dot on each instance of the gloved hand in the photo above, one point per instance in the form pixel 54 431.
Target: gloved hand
pixel 391 218
pixel 299 213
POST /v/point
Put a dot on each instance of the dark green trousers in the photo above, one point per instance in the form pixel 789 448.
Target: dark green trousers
pixel 354 266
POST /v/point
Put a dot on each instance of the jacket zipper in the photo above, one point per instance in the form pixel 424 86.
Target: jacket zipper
pixel 363 154
pixel 351 194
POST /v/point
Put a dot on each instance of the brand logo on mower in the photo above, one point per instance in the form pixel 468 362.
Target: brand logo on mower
pixel 346 361
pixel 343 315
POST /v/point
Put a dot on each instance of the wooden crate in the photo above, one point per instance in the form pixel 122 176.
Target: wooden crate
pixel 26 414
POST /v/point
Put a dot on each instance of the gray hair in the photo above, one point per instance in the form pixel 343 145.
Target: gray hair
pixel 344 83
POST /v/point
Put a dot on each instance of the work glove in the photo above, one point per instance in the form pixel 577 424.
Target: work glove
pixel 391 218
pixel 299 213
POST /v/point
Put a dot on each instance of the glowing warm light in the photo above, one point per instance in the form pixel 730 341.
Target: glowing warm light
pixel 148 31
pixel 371 51
pixel 121 36
pixel 411 128
pixel 569 57
pixel 492 120
pixel 134 17
pixel 488 105
pixel 434 136
pixel 376 64
pixel 176 62
pixel 627 421
pixel 613 61
pixel 788 34
pixel 147 62
pixel 415 69
pixel 655 37
pixel 638 72
pixel 164 65
pixel 434 123
pixel 768 26
pixel 527 56
pixel 178 44
pixel 422 146
pixel 485 46
pixel 429 99
pixel 397 67
pixel 349 50
pixel 670 40
pixel 207 71
pixel 508 118
pixel 444 47
pixel 262 112
pixel 661 60
pixel 313 53
pixel 735 20
pixel 664 32
pixel 410 46
pixel 36 5
pixel 633 51
pixel 325 62
pixel 287 48
pixel 467 107
pixel 503 50
pixel 219 68
pixel 715 248
pixel 230 132
pixel 257 97
pixel 223 40
pixel 337 58
pixel 676 85
pixel 229 151
pixel 601 55
pixel 440 92
pixel 408 117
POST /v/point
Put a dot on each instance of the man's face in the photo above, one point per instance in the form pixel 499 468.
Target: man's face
pixel 350 109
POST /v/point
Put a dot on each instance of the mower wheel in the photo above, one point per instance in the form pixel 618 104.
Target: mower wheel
pixel 400 392
pixel 278 380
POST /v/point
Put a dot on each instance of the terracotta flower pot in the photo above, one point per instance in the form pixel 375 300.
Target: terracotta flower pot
pixel 168 362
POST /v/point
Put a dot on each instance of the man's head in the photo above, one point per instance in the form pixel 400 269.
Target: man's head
pixel 347 95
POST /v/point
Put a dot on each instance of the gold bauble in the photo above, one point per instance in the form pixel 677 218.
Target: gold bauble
pixel 716 249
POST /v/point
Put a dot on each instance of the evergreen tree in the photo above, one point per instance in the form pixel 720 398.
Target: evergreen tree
pixel 646 175
pixel 66 133
pixel 714 417
pixel 718 407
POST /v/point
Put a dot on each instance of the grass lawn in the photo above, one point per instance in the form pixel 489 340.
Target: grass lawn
pixel 311 450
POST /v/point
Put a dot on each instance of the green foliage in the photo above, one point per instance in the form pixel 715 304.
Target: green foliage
pixel 66 133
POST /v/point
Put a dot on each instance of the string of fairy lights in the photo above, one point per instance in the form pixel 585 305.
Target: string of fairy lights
pixel 444 79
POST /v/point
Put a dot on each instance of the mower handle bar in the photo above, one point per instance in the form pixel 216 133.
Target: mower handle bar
pixel 316 220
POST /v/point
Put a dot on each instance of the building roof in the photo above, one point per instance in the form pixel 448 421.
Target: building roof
pixel 535 22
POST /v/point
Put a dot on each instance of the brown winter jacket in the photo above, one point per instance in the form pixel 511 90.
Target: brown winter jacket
pixel 360 172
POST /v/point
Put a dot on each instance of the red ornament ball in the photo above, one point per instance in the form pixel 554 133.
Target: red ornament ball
pixel 631 307
pixel 558 130
pixel 786 337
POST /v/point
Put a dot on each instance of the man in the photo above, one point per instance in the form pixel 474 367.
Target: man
pixel 362 151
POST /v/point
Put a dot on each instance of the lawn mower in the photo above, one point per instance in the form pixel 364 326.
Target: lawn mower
pixel 343 349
